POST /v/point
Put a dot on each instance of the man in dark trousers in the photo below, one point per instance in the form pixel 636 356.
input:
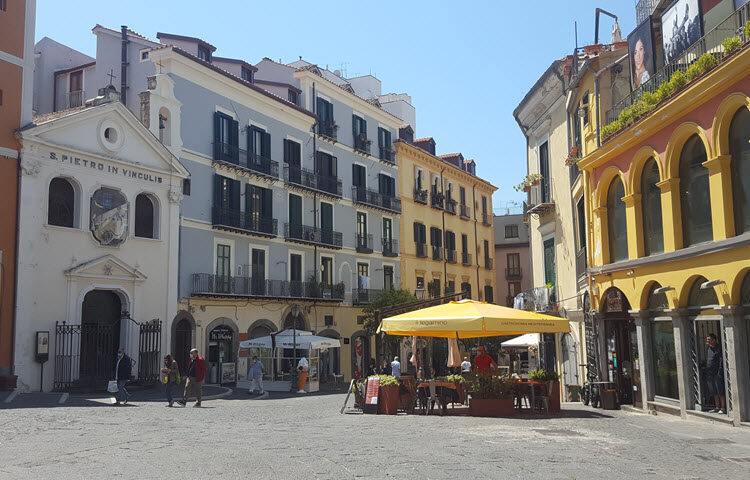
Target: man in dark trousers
pixel 195 376
pixel 715 374
pixel 123 371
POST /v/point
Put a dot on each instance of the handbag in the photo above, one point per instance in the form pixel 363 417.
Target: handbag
pixel 112 386
pixel 166 379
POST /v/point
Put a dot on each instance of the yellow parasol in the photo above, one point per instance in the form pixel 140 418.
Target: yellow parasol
pixel 471 319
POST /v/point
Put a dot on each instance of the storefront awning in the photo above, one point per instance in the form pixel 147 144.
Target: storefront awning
pixel 304 341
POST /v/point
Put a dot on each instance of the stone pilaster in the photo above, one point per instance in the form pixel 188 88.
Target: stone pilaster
pixel 645 355
pixel 737 368
pixel 683 353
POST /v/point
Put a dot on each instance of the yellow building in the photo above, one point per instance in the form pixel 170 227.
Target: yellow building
pixel 447 236
pixel 668 203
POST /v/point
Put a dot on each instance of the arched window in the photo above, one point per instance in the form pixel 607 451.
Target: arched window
pixel 616 222
pixel 695 199
pixel 739 147
pixel 61 210
pixel 653 236
pixel 745 293
pixel 165 127
pixel 144 217
pixel 701 297
pixel 656 300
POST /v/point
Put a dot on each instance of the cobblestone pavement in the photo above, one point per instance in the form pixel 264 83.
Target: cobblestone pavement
pixel 306 437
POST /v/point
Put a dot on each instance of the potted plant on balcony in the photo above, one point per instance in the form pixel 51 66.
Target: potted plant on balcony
pixel 528 181
pixel 573 156
pixel 388 395
pixel 491 396
pixel 552 379
pixel 338 290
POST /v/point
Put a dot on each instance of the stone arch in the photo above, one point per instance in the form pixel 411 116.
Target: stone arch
pixel 643 155
pixel 303 322
pixel 254 328
pixel 677 141
pixel 602 187
pixel 165 126
pixel 182 336
pixel 625 306
pixel 723 120
pixel 736 286
pixel 75 185
pixel 221 321
pixel 345 275
pixel 687 285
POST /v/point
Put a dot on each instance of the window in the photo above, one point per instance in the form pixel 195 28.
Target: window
pixel 325 118
pixel 581 219
pixel 544 171
pixel 665 360
pixel 226 138
pixel 386 186
pixel 1 97
pixel 144 55
pixel 418 179
pixel 223 267
pixel 695 199
pixel 295 273
pixel 145 216
pixel 292 96
pixel 617 222
pixel 3 5
pixel 436 240
pixel 259 208
pixel 388 277
pixel 362 242
pixel 653 238
pixel 514 263
pixel 326 268
pixel 462 195
pixel 247 74
pixel 514 288
pixel 359 130
pixel 466 287
pixel 511 231
pixel 701 297
pixel 739 148
pixel 62 202
pixel 420 234
pixel 420 283
pixel 293 161
pixel 387 230
pixel 226 193
pixel 204 53
pixel 489 296
pixel 585 107
pixel 75 89
pixel 186 187
pixel 384 144
pixel 550 276
pixel 363 275
pixel 435 288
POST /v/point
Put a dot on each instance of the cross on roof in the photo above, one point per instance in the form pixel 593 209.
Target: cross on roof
pixel 111 76
pixel 159 64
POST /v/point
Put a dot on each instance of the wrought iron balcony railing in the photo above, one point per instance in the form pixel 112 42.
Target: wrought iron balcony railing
pixel 437 252
pixel 247 162
pixel 540 199
pixel 228 285
pixel 420 196
pixel 388 155
pixel 437 199
pixel 362 296
pixel 450 256
pixel 390 247
pixel 513 273
pixel 488 263
pixel 486 219
pixel 312 235
pixel 70 100
pixel 450 206
pixel 362 144
pixel 421 250
pixel 328 130
pixel 243 222
pixel 311 180
pixel 465 212
pixel 465 258
pixel 363 243
pixel 369 197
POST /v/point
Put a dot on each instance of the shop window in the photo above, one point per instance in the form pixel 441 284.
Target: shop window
pixel 739 147
pixel 665 360
pixel 617 222
pixel 701 297
pixel 695 199
pixel 62 203
pixel 656 301
pixel 145 217
pixel 653 235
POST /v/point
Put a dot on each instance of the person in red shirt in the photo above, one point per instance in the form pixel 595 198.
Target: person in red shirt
pixel 484 363
pixel 196 375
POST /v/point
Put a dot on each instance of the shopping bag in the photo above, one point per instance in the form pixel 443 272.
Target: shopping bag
pixel 112 386
pixel 165 380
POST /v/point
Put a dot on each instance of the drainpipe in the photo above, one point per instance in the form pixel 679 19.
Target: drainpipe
pixel 476 236
pixel 124 65
pixel 315 194
pixel 445 204
pixel 12 366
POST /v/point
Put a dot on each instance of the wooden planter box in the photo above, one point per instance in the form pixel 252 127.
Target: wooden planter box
pixel 388 400
pixel 554 396
pixel 491 407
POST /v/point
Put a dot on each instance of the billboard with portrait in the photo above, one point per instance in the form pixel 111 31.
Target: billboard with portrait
pixel 681 26
pixel 641 52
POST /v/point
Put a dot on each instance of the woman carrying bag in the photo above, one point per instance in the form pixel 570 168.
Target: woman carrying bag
pixel 171 377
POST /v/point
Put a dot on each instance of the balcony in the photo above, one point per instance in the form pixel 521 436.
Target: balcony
pixel 388 155
pixel 311 181
pixel 390 247
pixel 486 219
pixel 328 131
pixel 539 200
pixel 421 250
pixel 464 212
pixel 437 252
pixel 243 222
pixel 488 263
pixel 361 296
pixel 362 144
pixel 312 236
pixel 69 100
pixel 509 301
pixel 581 265
pixel 207 284
pixel 371 198
pixel 436 200
pixel 544 299
pixel 241 161
pixel 466 259
pixel 450 206
pixel 450 256
pixel 513 273
pixel 363 243
pixel 420 196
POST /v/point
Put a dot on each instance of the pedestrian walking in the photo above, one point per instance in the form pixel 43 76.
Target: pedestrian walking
pixel 123 370
pixel 256 376
pixel 194 383
pixel 171 373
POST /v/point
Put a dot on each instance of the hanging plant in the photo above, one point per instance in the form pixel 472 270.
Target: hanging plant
pixel 573 156
pixel 528 181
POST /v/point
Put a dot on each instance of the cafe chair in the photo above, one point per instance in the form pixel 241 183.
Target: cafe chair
pixel 541 398
pixel 435 398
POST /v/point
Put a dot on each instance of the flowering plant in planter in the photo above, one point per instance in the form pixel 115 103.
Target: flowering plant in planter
pixel 486 386
pixel 528 181
pixel 543 376
pixel 573 156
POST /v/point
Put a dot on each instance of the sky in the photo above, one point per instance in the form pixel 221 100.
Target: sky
pixel 466 65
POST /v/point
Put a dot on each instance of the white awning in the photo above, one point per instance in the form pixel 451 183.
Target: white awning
pixel 305 341
pixel 526 340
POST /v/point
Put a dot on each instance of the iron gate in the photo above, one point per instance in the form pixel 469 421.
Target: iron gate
pixel 148 351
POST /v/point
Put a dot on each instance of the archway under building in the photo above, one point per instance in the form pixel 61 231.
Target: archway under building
pixel 621 347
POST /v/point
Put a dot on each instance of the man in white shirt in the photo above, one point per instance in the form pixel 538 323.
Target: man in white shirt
pixel 396 368
pixel 466 365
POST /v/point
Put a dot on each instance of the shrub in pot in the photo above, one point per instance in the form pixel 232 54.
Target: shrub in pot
pixel 552 379
pixel 388 395
pixel 491 396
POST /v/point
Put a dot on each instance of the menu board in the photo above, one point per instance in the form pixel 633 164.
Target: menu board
pixel 373 385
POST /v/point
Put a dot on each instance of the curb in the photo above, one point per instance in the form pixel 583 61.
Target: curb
pixel 228 392
pixel 11 397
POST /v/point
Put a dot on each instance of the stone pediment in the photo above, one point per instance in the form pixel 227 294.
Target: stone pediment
pixel 106 267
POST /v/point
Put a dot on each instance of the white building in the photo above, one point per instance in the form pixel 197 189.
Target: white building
pixel 99 220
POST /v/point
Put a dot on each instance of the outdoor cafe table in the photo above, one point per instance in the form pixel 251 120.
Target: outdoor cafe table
pixel 523 385
pixel 442 389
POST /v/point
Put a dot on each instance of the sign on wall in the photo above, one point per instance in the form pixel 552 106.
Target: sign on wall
pixel 641 52
pixel 681 26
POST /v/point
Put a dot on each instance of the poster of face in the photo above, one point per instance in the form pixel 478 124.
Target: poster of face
pixel 641 51
pixel 681 27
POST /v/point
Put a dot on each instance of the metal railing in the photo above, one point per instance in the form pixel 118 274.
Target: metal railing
pixel 437 252
pixel 311 180
pixel 486 219
pixel 644 8
pixel 364 295
pixel 436 199
pixel 388 155
pixel 465 258
pixel 488 263
pixel 70 100
pixel 210 284
pixel 450 206
pixel 362 144
pixel 513 273
pixel 465 212
pixel 709 43
pixel 420 196
pixel 246 222
pixel 312 235
pixel 248 161
pixel 421 250
pixel 390 247
pixel 370 197
pixel 581 262
pixel 539 197
pixel 450 256
pixel 328 130
pixel 363 243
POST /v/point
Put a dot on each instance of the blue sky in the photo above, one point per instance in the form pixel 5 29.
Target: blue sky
pixel 466 65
